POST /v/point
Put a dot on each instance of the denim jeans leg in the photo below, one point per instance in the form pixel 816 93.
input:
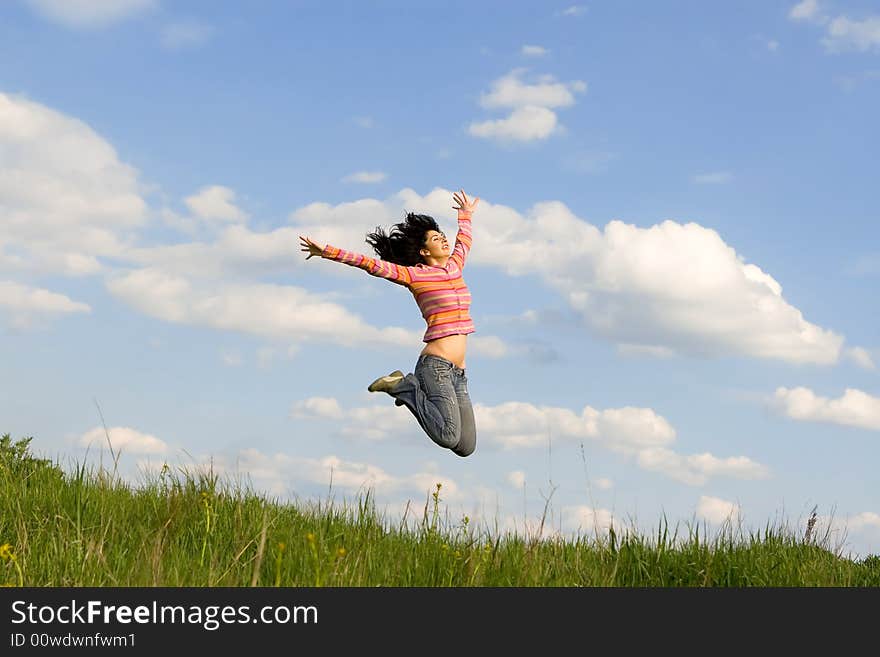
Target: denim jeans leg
pixel 430 394
pixel 468 440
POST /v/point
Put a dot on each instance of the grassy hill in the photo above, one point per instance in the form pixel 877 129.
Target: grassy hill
pixel 89 528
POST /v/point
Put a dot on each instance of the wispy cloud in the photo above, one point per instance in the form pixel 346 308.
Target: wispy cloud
pixel 189 34
pixel 807 10
pixel 842 33
pixel 845 34
pixel 713 178
pixel 574 10
pixel 861 357
pixel 90 13
pixel 365 177
pixel 533 51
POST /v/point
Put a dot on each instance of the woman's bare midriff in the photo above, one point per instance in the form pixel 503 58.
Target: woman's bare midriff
pixel 452 348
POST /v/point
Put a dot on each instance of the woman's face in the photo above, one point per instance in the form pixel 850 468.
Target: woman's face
pixel 436 245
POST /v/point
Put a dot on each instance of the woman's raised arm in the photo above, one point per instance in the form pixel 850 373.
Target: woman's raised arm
pixel 380 268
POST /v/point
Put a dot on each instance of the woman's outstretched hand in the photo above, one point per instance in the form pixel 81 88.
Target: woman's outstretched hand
pixel 462 202
pixel 312 247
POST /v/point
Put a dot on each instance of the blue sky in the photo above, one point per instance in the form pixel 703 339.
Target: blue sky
pixel 674 267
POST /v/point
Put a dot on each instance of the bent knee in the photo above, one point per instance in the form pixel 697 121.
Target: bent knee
pixel 464 450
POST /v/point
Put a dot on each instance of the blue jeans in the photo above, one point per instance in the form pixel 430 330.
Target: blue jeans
pixel 436 393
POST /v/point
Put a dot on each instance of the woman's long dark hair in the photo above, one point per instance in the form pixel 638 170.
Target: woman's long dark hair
pixel 401 245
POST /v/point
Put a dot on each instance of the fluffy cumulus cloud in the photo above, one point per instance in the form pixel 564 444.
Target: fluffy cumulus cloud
pixel 66 200
pixel 90 13
pixel 854 408
pixel 69 206
pixel 531 105
pixel 717 511
pixel 636 433
pixel 122 439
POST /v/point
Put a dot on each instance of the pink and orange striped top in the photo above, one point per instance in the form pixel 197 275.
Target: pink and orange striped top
pixel 440 292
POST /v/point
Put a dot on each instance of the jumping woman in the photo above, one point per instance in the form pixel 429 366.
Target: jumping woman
pixel 415 254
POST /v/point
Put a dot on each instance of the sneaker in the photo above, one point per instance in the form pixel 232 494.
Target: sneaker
pixel 386 383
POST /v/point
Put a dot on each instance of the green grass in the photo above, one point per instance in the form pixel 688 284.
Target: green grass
pixel 89 528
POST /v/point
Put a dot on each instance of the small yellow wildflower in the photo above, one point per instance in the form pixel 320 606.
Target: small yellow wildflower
pixel 310 537
pixel 281 546
pixel 6 552
pixel 340 552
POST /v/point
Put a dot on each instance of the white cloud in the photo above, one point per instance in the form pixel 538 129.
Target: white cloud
pixel 322 407
pixel 633 432
pixel 90 13
pixel 841 33
pixel 188 34
pixel 534 51
pixel 517 479
pixel 574 10
pixel 697 469
pixel 215 202
pixel 772 45
pixel 531 118
pixel 364 121
pixel 715 178
pixel 232 359
pixel 807 10
pixel 587 520
pixel 122 439
pixel 603 483
pixel 236 251
pixel 27 306
pixel 489 346
pixel 365 177
pixel 272 311
pixel 864 520
pixel 845 34
pixel 666 289
pixel 645 350
pixel 524 124
pixel 855 408
pixel 718 511
pixel 65 198
pixel 510 91
pixel 279 471
pixel 861 357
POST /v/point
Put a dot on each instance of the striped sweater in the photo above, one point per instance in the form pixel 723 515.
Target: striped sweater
pixel 440 292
